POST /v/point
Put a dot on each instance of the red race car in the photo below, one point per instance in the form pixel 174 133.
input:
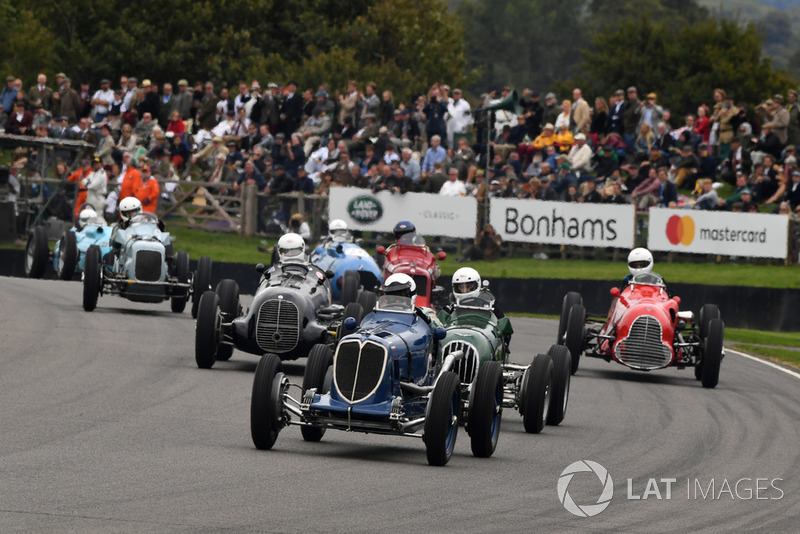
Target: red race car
pixel 410 255
pixel 645 331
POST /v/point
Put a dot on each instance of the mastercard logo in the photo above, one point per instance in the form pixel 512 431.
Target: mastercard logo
pixel 680 230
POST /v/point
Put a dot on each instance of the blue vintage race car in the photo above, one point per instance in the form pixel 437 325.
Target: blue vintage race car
pixel 353 268
pixel 69 255
pixel 386 378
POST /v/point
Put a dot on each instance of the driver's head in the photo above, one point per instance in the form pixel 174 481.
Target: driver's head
pixel 640 260
pixel 337 229
pixel 128 207
pixel 402 228
pixel 400 285
pixel 86 216
pixel 291 249
pixel 466 283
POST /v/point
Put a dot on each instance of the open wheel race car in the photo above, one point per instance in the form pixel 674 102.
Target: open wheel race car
pixel 539 391
pixel 290 313
pixel 144 270
pixel 69 254
pixel 386 378
pixel 353 269
pixel 411 256
pixel 645 331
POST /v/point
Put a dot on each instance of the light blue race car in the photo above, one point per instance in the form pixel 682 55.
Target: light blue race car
pixel 352 266
pixel 69 255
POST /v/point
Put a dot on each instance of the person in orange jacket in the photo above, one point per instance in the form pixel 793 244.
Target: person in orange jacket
pixel 77 177
pixel 148 193
pixel 131 183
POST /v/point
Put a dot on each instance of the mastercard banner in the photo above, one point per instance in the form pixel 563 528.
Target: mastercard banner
pixel 718 232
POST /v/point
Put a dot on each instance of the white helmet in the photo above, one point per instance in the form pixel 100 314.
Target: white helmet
pixel 466 283
pixel 291 249
pixel 400 284
pixel 128 207
pixel 640 260
pixel 86 216
pixel 337 229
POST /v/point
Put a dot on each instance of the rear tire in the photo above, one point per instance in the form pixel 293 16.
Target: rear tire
pixel 319 361
pixel 571 299
pixel 67 256
pixel 562 371
pixel 229 308
pixel 537 385
pixel 266 403
pixel 367 299
pixel 574 334
pixel 92 278
pixel 355 311
pixel 441 419
pixel 712 353
pixel 351 283
pixel 206 333
pixel 486 409
pixel 37 252
pixel 178 303
pixel 202 282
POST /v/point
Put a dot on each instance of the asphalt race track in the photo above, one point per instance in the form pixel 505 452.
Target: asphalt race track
pixel 107 425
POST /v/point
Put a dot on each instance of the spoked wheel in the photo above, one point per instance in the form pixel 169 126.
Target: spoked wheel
pixel 571 299
pixel 229 307
pixel 441 420
pixel 350 285
pixel 562 371
pixel 574 334
pixel 92 278
pixel 67 256
pixel 206 332
pixel 178 302
pixel 537 385
pixel 202 282
pixel 266 404
pixel 486 409
pixel 319 361
pixel 37 252
pixel 712 353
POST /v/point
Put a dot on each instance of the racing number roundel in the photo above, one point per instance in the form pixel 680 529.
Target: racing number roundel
pixel 680 230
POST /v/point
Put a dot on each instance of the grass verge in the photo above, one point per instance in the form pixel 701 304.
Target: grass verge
pixel 776 354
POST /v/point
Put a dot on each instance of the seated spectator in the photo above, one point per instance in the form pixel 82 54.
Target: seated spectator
pixel 616 196
pixel 453 187
pixel 708 200
pixel 606 162
pixel 686 168
pixel 317 126
pixel 644 141
pixel 435 153
pixel 580 155
pixel 464 160
pixel 545 191
pixel 769 143
pixel 175 124
pixel 410 166
pixel 20 120
pixel 591 195
pixel 535 168
pixel 792 195
pixel 667 195
pixel 564 138
pixel 645 193
pixel 564 179
pixel 388 181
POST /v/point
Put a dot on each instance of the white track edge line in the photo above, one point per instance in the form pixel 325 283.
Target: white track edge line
pixel 795 374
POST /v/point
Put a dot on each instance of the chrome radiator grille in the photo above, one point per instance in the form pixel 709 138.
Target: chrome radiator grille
pixel 148 266
pixel 358 369
pixel 467 368
pixel 278 326
pixel 643 348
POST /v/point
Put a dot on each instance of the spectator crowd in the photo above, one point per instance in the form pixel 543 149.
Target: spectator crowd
pixel 284 138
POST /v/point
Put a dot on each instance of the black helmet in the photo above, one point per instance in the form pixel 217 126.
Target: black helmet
pixel 402 228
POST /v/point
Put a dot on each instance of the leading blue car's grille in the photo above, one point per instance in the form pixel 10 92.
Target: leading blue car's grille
pixel 358 369
pixel 278 326
pixel 148 266
pixel 643 348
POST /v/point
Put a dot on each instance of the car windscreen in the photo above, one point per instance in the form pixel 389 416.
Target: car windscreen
pixel 395 303
pixel 650 279
pixel 411 239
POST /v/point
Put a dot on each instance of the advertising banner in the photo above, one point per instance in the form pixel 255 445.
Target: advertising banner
pixel 432 214
pixel 564 223
pixel 718 232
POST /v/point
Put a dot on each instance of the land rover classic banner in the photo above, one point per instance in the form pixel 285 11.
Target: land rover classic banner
pixel 563 223
pixel 718 232
pixel 431 214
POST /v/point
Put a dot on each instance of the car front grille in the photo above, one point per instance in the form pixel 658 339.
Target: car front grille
pixel 643 348
pixel 148 266
pixel 278 326
pixel 466 368
pixel 358 369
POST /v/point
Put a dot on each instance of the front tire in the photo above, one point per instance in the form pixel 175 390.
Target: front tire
pixel 67 256
pixel 441 421
pixel 229 307
pixel 92 278
pixel 574 334
pixel 572 298
pixel 486 409
pixel 319 361
pixel 367 299
pixel 37 251
pixel 266 403
pixel 206 334
pixel 712 353
pixel 202 282
pixel 707 313
pixel 537 385
pixel 178 302
pixel 350 286
pixel 562 371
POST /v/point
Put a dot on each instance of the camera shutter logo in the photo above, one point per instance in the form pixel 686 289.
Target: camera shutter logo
pixel 587 510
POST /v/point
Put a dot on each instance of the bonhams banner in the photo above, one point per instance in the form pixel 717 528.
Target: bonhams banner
pixel 719 232
pixel 431 214
pixel 563 223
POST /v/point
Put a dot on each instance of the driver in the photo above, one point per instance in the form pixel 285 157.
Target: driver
pixel 402 285
pixel 338 231
pixel 402 228
pixel 291 249
pixel 128 208
pixel 467 285
pixel 640 261
pixel 88 216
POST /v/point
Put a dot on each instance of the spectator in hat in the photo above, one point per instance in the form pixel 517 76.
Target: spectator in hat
pixel 41 117
pixel 184 99
pixel 41 93
pixel 20 121
pixel 793 130
pixel 149 101
pixel 606 161
pixel 316 126
pixel 591 195
pixel 563 180
pixel 792 194
pixel 631 118
pixel 533 112
pixel 105 145
pixel 405 131
pixel 69 101
pixel 580 155
pixel 777 116
pixel 581 114
pixel 616 196
pixel 650 112
pixel 546 192
pixel 291 109
pixel 551 109
pixel 741 186
pixel 769 143
pixel 458 117
pixel 564 138
pixel 101 100
pixel 207 112
pixel 434 114
pixel 226 127
pixel 616 111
